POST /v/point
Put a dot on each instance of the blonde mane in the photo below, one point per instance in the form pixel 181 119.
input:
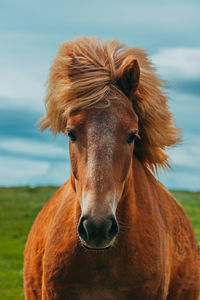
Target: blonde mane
pixel 84 72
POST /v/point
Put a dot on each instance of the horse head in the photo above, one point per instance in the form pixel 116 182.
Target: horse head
pixel 101 149
pixel 104 95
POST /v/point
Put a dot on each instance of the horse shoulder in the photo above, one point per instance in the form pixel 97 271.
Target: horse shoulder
pixel 177 222
pixel 165 227
pixel 183 248
pixel 36 243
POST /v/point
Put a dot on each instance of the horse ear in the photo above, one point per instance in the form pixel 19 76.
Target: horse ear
pixel 129 76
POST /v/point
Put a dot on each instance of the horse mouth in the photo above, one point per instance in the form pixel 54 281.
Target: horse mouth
pixel 96 249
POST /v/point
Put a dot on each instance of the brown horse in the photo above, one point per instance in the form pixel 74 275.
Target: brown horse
pixel 112 231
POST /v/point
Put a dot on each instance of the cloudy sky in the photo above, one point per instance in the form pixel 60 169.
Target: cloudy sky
pixel 30 33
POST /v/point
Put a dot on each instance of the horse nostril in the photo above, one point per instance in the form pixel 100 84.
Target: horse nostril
pixel 98 232
pixel 82 229
pixel 113 230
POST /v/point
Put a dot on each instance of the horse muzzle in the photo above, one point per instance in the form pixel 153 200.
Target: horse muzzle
pixel 97 234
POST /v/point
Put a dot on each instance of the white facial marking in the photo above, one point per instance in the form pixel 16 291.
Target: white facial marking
pixel 88 204
pixel 100 192
pixel 103 141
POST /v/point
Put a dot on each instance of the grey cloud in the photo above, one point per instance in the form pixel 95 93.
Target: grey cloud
pixel 191 87
pixel 148 24
pixel 16 122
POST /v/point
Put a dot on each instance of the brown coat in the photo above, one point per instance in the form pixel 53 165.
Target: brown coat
pixel 156 253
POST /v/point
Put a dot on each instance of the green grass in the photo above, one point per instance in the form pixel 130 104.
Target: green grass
pixel 19 207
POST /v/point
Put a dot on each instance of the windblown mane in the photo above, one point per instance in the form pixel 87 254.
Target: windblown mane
pixel 86 70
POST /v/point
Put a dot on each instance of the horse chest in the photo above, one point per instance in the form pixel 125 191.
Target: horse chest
pixel 103 280
pixel 100 293
pixel 104 292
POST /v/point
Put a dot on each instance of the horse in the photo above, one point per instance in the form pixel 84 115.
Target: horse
pixel 112 231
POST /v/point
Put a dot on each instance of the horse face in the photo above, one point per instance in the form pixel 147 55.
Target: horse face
pixel 101 149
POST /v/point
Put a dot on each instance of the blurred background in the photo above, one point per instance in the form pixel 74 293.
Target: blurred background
pixel 31 32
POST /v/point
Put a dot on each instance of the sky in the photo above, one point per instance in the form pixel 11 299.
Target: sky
pixel 30 33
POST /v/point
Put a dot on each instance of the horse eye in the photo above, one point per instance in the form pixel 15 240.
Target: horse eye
pixel 71 135
pixel 131 137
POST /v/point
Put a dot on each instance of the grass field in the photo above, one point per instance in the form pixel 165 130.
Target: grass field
pixel 18 208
